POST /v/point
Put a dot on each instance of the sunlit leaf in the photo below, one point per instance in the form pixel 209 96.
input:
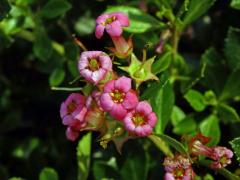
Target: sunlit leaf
pixel 48 174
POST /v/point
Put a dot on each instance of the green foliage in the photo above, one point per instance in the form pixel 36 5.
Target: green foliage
pixel 235 143
pixel 83 156
pixel 210 127
pixel 227 113
pixel 56 77
pixel 195 10
pixel 162 63
pixel 140 21
pixel 185 126
pixel 195 99
pixel 162 102
pixel 235 4
pixel 232 44
pixel 55 8
pixel 48 174
pixel 4 8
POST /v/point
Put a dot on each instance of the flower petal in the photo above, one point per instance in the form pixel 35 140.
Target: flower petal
pixel 87 74
pixel 69 120
pixel 99 31
pixel 130 100
pixel 129 125
pixel 72 134
pixel 63 110
pixel 106 62
pixel 109 86
pixel 118 112
pixel 102 18
pixel 152 119
pixel 106 102
pixel 98 75
pixel 114 28
pixel 123 84
pixel 122 18
pixel 144 107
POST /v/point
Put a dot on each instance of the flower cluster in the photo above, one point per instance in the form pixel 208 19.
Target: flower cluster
pixel 221 156
pixel 178 168
pixel 112 96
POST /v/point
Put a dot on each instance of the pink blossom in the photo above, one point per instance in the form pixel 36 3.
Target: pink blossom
pixel 94 65
pixel 118 98
pixel 72 134
pixel 112 23
pixel 73 111
pixel 178 168
pixel 141 120
pixel 221 156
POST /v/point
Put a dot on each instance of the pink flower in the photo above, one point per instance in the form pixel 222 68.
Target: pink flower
pixel 222 157
pixel 94 65
pixel 118 98
pixel 72 134
pixel 141 120
pixel 73 111
pixel 112 22
pixel 178 168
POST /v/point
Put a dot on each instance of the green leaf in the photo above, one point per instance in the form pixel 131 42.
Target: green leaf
pixel 55 8
pixel 48 174
pixel 102 170
pixel 173 143
pixel 140 21
pixel 196 9
pixel 42 47
pixel 83 156
pixel 162 101
pixel 227 113
pixel 57 77
pixel 210 127
pixel 232 46
pixel 85 25
pixel 235 4
pixel 136 163
pixel 4 9
pixel 195 99
pixel 216 73
pixel 177 115
pixel 186 126
pixel 235 143
pixel 232 86
pixel 162 63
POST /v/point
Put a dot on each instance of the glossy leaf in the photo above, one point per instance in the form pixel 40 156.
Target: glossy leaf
pixel 140 22
pixel 227 113
pixel 162 63
pixel 162 103
pixel 55 8
pixel 83 156
pixel 48 174
pixel 232 86
pixel 42 47
pixel 173 143
pixel 177 115
pixel 195 99
pixel 231 48
pixel 196 9
pixel 56 77
pixel 210 127
pixel 186 126
pixel 235 143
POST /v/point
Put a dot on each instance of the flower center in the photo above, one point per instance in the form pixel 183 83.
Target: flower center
pixel 138 120
pixel 109 20
pixel 179 172
pixel 223 160
pixel 117 96
pixel 71 107
pixel 93 64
